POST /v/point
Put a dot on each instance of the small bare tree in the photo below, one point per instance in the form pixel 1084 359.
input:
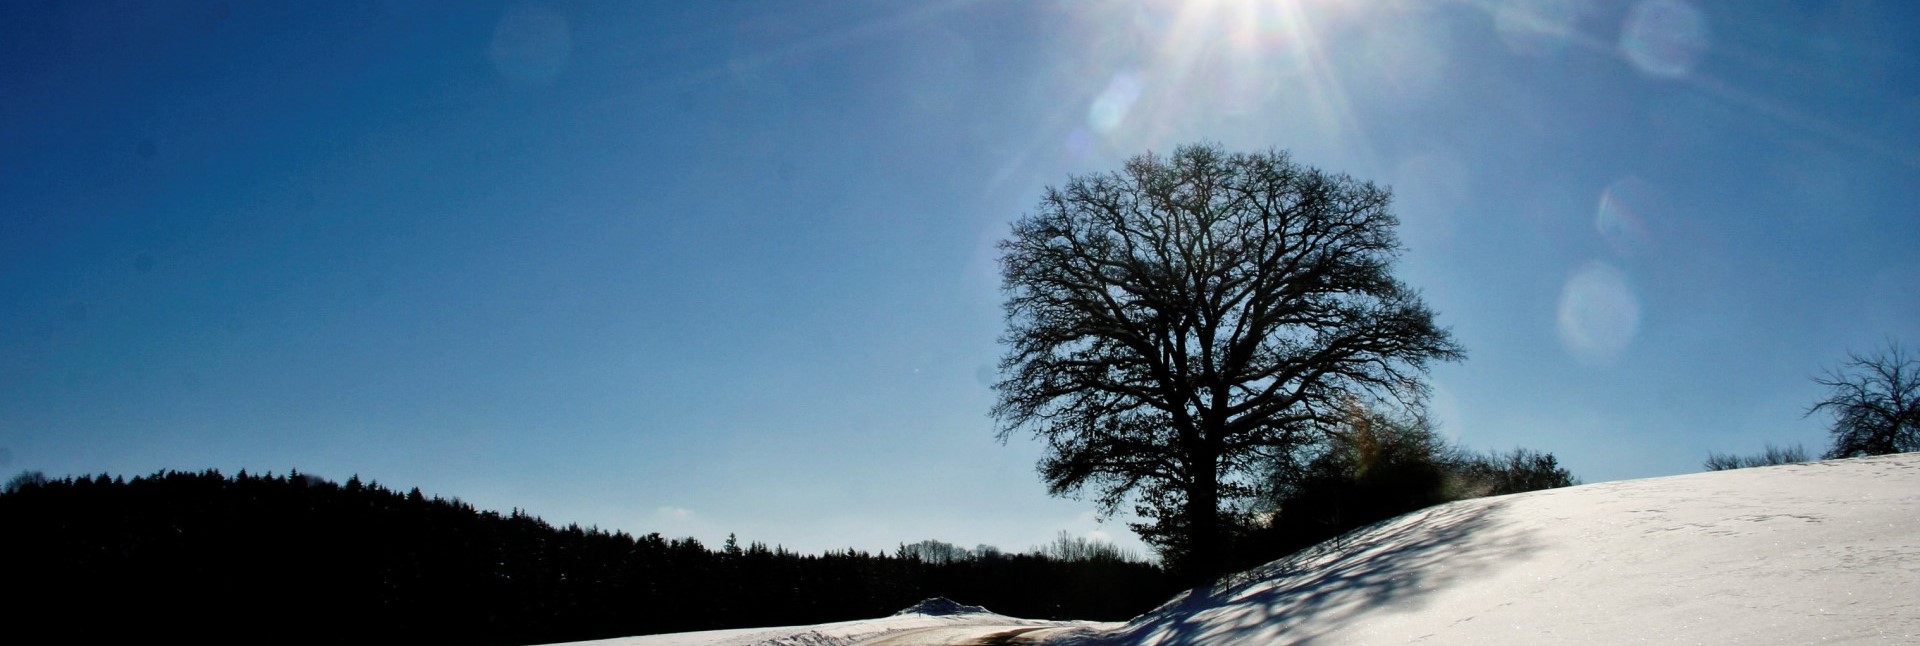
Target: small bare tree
pixel 1875 402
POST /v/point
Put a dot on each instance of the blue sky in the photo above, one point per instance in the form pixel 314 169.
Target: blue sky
pixel 708 267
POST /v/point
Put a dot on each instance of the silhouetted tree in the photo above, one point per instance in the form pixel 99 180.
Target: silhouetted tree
pixel 1170 324
pixel 23 480
pixel 1517 471
pixel 932 551
pixel 1069 548
pixel 1875 402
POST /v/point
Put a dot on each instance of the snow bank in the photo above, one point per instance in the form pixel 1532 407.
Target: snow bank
pixel 1818 552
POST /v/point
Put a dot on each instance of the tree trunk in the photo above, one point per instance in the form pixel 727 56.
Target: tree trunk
pixel 1206 548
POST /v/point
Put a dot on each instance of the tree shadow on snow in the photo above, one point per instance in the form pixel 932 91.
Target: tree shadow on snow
pixel 1385 568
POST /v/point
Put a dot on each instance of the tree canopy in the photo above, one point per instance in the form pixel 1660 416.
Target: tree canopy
pixel 1174 325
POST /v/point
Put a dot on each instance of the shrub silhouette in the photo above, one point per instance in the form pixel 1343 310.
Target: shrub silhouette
pixel 1377 467
pixel 1770 456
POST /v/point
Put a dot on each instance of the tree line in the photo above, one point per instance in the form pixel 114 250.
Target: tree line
pixel 296 558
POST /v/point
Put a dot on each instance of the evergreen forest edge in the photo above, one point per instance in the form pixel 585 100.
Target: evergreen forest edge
pixel 300 559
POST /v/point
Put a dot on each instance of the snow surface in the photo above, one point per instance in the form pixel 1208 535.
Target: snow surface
pixel 1796 554
pixel 1817 552
pixel 930 622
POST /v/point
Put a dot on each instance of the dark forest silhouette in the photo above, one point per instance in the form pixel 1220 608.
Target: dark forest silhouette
pixel 299 559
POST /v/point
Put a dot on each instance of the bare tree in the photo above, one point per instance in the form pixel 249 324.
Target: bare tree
pixel 1875 402
pixel 1174 326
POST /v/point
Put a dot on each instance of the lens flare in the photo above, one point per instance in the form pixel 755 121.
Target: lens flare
pixel 1537 27
pixel 1621 216
pixel 1599 314
pixel 531 45
pixel 1664 38
pixel 1111 107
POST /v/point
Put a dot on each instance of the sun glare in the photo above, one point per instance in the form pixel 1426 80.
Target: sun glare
pixel 1236 56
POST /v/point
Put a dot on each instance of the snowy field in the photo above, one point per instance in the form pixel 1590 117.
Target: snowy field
pixel 1821 552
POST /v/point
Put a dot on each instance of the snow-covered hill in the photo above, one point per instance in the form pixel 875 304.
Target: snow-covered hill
pixel 1818 552
pixel 1797 554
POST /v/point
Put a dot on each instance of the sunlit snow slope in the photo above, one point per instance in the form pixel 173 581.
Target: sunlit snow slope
pixel 1822 552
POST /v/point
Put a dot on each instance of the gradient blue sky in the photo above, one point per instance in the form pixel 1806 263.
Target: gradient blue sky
pixel 728 266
